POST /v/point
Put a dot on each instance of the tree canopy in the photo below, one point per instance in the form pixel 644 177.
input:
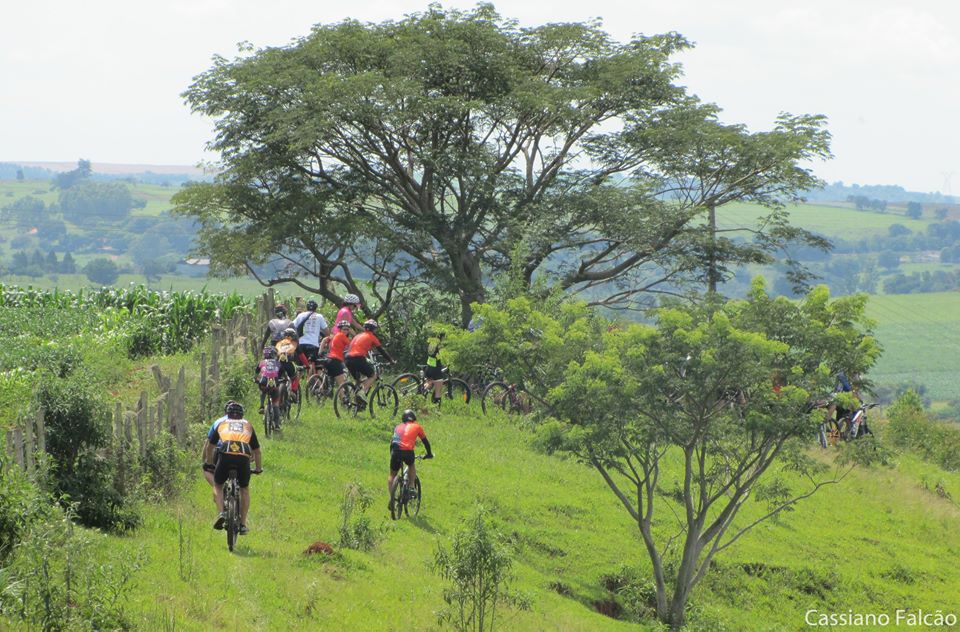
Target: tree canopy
pixel 452 145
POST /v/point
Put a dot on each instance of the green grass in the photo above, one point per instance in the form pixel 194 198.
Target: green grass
pixel 874 543
pixel 841 222
pixel 920 334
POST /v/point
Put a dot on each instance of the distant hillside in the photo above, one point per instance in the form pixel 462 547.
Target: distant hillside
pixel 839 192
pixel 149 174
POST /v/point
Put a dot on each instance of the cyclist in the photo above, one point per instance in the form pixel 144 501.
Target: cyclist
pixel 287 352
pixel 208 468
pixel 311 327
pixel 274 329
pixel 836 411
pixel 350 303
pixel 336 345
pixel 356 360
pixel 267 373
pixel 402 444
pixel 433 373
pixel 234 441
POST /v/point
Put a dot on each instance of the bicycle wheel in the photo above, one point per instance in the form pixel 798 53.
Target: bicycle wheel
pixel 457 389
pixel 407 383
pixel 383 399
pixel 345 400
pixel 231 507
pixel 318 389
pixel 412 502
pixel 398 494
pixel 495 396
pixel 268 417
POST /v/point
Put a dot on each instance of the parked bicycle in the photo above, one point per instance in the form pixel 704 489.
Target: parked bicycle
pixel 849 427
pixel 453 387
pixel 381 398
pixel 407 497
pixel 231 506
pixel 511 398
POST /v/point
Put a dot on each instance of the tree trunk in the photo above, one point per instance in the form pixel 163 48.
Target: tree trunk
pixel 712 273
pixel 685 578
pixel 469 279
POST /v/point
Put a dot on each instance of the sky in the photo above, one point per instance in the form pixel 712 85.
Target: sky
pixel 102 79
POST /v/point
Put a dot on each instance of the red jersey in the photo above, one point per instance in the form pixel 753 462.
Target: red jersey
pixel 362 344
pixel 338 344
pixel 405 435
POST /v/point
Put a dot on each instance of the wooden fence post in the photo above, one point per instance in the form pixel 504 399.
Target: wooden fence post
pixel 18 446
pixel 203 384
pixel 11 444
pixel 28 446
pixel 118 424
pixel 179 402
pixel 41 432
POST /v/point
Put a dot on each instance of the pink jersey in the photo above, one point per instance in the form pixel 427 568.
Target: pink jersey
pixel 343 314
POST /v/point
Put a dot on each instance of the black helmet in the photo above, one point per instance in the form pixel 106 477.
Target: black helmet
pixel 280 310
pixel 311 305
pixel 408 415
pixel 233 410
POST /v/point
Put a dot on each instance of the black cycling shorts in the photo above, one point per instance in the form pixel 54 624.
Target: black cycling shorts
pixel 227 462
pixel 433 372
pixel 309 351
pixel 398 456
pixel 334 367
pixel 359 365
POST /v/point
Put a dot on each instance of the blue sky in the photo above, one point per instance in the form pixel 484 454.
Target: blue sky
pixel 102 79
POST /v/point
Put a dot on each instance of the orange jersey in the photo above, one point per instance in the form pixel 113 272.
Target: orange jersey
pixel 405 435
pixel 362 344
pixel 338 345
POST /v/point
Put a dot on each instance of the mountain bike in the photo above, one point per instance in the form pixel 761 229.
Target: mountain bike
pixel 231 506
pixel 850 426
pixel 453 387
pixel 382 397
pixel 320 387
pixel 290 403
pixel 272 412
pixel 511 398
pixel 406 497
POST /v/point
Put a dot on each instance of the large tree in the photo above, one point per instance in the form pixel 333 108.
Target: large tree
pixel 681 419
pixel 455 144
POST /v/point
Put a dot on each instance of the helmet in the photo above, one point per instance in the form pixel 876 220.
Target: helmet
pixel 269 353
pixel 370 325
pixel 351 299
pixel 311 305
pixel 233 410
pixel 408 415
pixel 280 310
pixel 343 325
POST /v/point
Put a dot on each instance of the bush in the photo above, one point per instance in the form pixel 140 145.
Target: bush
pixel 56 581
pixel 478 569
pixel 20 505
pixel 911 429
pixel 78 426
pixel 356 532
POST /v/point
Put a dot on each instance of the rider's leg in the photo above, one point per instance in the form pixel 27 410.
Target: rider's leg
pixel 437 390
pixel 367 383
pixel 218 497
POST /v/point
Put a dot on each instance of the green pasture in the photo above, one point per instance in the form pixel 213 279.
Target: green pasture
pixel 920 334
pixel 840 222
pixel 874 543
pixel 245 286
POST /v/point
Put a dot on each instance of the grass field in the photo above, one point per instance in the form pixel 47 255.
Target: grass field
pixel 244 286
pixel 875 543
pixel 920 334
pixel 838 221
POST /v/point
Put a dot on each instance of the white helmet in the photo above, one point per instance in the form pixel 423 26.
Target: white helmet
pixel 351 299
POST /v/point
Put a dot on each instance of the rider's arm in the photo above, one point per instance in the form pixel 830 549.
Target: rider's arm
pixel 208 452
pixel 426 444
pixel 257 456
pixel 384 353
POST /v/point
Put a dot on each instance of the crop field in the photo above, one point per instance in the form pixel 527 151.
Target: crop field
pixel 920 334
pixel 832 221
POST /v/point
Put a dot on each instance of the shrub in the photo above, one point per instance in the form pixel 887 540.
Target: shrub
pixel 356 532
pixel 20 505
pixel 477 565
pixel 56 581
pixel 78 426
